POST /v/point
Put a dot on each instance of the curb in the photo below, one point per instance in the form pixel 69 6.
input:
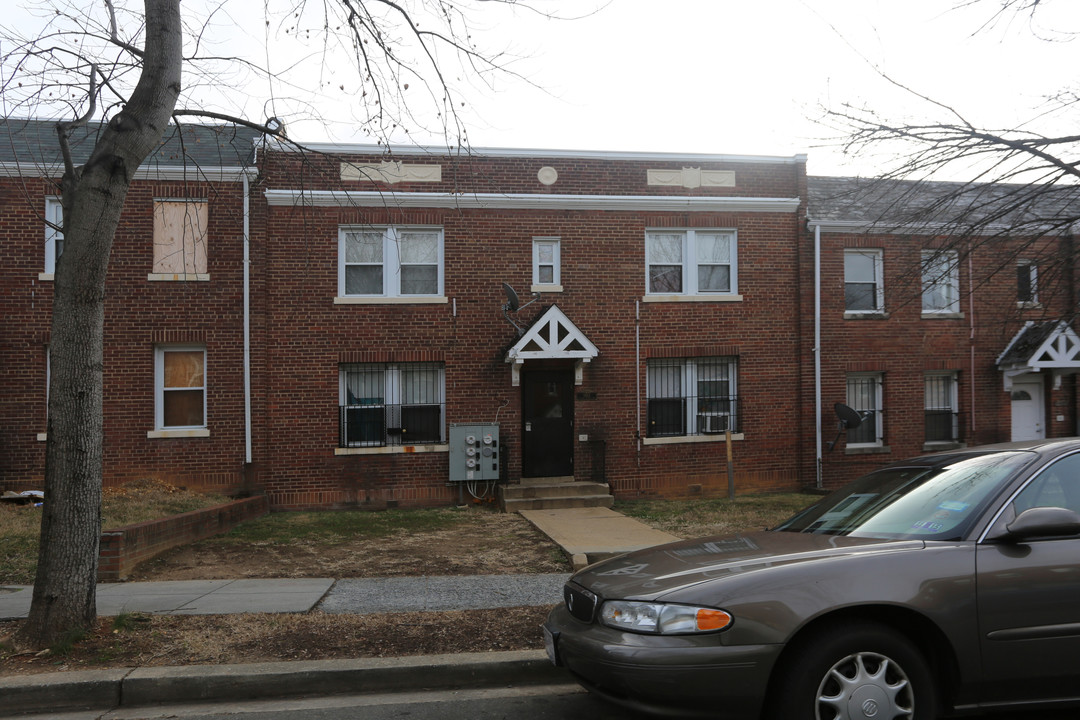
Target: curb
pixel 135 687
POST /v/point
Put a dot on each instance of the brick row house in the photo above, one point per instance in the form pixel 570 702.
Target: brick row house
pixel 342 327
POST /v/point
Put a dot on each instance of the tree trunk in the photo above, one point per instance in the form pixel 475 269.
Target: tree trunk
pixel 64 599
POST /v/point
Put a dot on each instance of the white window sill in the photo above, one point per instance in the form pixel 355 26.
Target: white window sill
pixel 45 277
pixel 192 433
pixel 546 288
pixel 681 439
pixel 1029 304
pixel 691 298
pixel 410 300
pixel 939 445
pixel 182 277
pixel 874 315
pixel 927 315
pixel 867 449
pixel 391 449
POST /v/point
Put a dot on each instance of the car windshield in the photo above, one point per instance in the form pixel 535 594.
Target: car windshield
pixel 930 502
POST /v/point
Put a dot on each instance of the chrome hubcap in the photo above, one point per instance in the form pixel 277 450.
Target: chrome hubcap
pixel 865 686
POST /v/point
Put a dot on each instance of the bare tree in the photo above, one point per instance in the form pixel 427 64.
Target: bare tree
pixel 1019 192
pixel 130 70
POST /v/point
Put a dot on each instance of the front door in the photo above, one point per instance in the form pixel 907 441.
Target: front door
pixel 1028 411
pixel 547 446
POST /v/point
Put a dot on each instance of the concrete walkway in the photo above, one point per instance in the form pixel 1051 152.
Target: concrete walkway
pixel 588 535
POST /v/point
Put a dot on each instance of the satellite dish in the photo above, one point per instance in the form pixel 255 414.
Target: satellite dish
pixel 512 301
pixel 513 304
pixel 849 418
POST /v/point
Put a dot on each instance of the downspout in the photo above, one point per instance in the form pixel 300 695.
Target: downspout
pixel 247 324
pixel 971 339
pixel 637 372
pixel 817 352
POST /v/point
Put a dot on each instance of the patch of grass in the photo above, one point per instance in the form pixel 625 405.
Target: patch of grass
pixel 141 500
pixel 128 621
pixel 19 529
pixel 716 516
pixel 284 528
pixel 67 642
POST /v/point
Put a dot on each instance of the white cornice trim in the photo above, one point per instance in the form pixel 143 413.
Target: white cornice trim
pixel 190 173
pixel 911 228
pixel 533 153
pixel 493 201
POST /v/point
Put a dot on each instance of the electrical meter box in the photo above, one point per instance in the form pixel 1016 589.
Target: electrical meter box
pixel 474 452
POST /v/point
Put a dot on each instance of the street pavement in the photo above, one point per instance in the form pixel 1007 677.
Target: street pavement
pixel 48 694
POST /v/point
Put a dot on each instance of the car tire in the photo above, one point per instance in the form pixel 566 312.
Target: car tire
pixel 854 671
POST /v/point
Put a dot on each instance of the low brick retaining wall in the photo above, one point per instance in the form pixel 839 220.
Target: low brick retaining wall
pixel 124 548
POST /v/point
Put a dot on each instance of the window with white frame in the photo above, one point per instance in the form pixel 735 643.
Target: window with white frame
pixel 390 262
pixel 864 396
pixel 692 396
pixel 690 262
pixel 180 387
pixel 384 404
pixel 942 407
pixel 940 282
pixel 1027 283
pixel 546 261
pixel 863 289
pixel 54 238
pixel 180 232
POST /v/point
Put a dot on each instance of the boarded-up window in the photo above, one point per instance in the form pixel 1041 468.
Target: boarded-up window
pixel 183 387
pixel 180 237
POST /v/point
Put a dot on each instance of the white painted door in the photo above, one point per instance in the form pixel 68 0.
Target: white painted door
pixel 1028 411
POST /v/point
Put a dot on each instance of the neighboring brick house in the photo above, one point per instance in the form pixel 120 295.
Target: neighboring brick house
pixel 941 353
pixel 661 300
pixel 173 374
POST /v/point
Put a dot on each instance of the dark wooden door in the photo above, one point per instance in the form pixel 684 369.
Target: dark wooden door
pixel 547 446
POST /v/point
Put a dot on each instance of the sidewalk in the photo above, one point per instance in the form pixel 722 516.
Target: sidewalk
pixel 585 534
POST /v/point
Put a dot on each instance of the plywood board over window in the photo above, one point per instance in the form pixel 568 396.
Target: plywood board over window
pixel 180 240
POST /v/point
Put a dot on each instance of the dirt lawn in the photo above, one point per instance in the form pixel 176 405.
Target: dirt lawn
pixel 479 542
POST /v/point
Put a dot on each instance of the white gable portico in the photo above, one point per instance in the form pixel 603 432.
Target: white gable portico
pixel 552 337
pixel 1049 346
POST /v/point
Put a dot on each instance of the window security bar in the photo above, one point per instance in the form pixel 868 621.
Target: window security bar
pixel 380 425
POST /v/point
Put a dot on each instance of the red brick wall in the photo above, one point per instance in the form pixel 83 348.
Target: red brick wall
pixel 300 336
pixel 124 548
pixel 139 314
pixel 603 276
pixel 903 345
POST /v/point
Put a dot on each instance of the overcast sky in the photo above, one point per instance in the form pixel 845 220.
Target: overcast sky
pixel 743 77
pixel 750 76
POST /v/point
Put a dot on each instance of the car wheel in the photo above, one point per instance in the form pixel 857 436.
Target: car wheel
pixel 854 671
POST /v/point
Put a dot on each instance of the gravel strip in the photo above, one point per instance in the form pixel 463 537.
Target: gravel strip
pixel 411 594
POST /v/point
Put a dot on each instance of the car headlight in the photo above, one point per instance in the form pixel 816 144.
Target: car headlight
pixel 662 618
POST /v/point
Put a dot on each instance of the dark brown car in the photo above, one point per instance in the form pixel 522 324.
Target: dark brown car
pixel 947 583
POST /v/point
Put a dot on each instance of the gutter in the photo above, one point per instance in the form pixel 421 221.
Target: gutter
pixel 247 321
pixel 817 355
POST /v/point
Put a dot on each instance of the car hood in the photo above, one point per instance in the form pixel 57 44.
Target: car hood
pixel 652 572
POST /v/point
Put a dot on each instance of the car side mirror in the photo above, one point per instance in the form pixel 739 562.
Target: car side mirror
pixel 1041 522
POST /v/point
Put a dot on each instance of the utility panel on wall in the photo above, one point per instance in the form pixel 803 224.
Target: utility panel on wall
pixel 474 452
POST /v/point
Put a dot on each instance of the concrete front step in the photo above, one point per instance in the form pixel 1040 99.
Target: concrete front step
pixel 559 480
pixel 559 489
pixel 556 503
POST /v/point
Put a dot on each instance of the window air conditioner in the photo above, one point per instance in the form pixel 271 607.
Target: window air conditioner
pixel 712 423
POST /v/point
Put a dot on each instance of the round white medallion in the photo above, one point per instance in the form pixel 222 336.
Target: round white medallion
pixel 547 175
